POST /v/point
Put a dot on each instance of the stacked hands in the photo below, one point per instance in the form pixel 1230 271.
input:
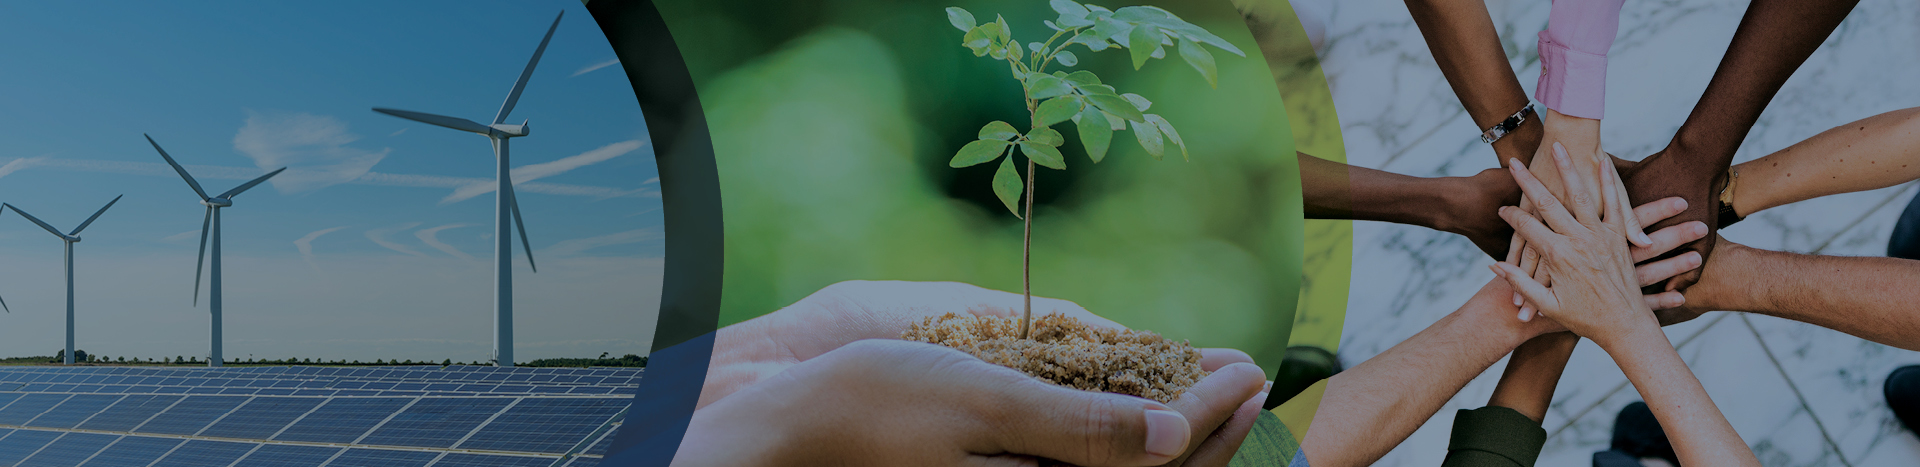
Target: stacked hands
pixel 826 382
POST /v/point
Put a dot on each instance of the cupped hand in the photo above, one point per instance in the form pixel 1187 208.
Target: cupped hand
pixel 1595 292
pixel 890 402
pixel 849 311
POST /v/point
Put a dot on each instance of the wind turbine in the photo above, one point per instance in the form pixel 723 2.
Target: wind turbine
pixel 210 223
pixel 505 205
pixel 70 238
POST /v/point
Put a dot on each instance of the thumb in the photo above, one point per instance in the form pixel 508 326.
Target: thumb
pixel 1090 428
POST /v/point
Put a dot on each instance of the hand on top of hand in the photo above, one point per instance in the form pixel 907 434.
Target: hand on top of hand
pixel 1581 245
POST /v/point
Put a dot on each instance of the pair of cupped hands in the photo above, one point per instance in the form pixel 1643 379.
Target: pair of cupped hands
pixel 1574 254
pixel 826 381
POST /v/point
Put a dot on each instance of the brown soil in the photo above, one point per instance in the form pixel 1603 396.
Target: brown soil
pixel 1069 353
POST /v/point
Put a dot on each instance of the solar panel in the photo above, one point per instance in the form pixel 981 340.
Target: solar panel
pixel 69 450
pixel 74 410
pixel 436 422
pixel 28 407
pixel 599 448
pixel 129 412
pixel 202 453
pixel 584 462
pixel 133 451
pixel 261 417
pixel 544 425
pixel 479 460
pixel 287 455
pixel 22 443
pixel 191 415
pixel 342 420
pixel 383 458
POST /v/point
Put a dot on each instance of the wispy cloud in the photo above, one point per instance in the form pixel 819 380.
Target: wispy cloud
pixel 528 173
pixel 305 244
pixel 596 66
pixel 580 245
pixel 431 237
pixel 396 133
pixel 182 236
pixel 18 164
pixel 315 143
pixel 379 237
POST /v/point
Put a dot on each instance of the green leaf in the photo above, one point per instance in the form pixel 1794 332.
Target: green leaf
pixel 998 130
pixel 1268 444
pixel 1201 60
pixel 1013 51
pixel 1034 47
pixel 978 152
pixel 1116 106
pixel 1166 20
pixel 1057 110
pixel 1100 89
pixel 1051 25
pixel 1094 41
pixel 1070 8
pixel 1119 124
pixel 1142 43
pixel 1082 78
pixel 1007 186
pixel 1096 133
pixel 1138 101
pixel 1046 136
pixel 960 18
pixel 1149 137
pixel 999 53
pixel 1044 155
pixel 1166 128
pixel 1067 58
pixel 1047 86
pixel 980 39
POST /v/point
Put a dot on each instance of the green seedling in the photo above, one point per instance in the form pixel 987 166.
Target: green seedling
pixel 1097 110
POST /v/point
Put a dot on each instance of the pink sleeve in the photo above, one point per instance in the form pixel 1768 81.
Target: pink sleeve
pixel 1573 56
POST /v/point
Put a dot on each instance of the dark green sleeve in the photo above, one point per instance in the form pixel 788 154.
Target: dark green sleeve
pixel 1494 437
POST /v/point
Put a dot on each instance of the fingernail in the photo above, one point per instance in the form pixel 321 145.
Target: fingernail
pixel 1693 259
pixel 1518 300
pixel 1524 316
pixel 1699 228
pixel 1262 397
pixel 1167 432
pixel 1644 239
pixel 1514 163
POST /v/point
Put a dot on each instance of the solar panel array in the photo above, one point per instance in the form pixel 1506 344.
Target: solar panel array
pixel 456 416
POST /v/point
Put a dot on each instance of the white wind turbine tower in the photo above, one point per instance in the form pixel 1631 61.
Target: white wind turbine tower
pixel 210 223
pixel 70 238
pixel 505 205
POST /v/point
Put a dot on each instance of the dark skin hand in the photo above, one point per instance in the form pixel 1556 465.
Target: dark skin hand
pixel 1773 39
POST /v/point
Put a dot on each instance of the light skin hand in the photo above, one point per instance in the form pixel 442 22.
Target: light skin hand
pixel 890 402
pixel 1594 296
pixel 1580 139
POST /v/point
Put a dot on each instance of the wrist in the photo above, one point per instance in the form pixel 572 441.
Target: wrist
pixel 1640 330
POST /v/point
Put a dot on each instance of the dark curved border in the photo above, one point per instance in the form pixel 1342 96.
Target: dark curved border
pixel 690 190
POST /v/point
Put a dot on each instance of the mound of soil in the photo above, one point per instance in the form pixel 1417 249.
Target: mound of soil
pixel 1069 353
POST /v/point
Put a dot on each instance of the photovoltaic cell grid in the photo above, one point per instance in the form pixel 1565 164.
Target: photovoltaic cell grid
pixel 310 416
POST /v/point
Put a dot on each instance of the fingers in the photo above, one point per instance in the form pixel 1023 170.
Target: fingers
pixel 1654 272
pixel 1636 230
pixel 1544 203
pixel 1664 300
pixel 1212 402
pixel 1580 190
pixel 1217 449
pixel 1535 293
pixel 1667 239
pixel 1530 229
pixel 1091 428
pixel 1654 212
pixel 1211 359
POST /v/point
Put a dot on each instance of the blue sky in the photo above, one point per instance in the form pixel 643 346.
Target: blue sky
pixel 391 214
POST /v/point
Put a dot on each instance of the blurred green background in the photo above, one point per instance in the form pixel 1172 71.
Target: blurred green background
pixel 833 122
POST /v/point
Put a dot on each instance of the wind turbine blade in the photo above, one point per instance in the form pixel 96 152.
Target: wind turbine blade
pixel 202 260
pixel 177 168
pixel 514 201
pixel 250 184
pixel 96 215
pixel 43 225
pixel 456 123
pixel 513 97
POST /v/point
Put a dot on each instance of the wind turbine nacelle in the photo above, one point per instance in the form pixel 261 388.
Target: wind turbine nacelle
pixel 217 202
pixel 511 130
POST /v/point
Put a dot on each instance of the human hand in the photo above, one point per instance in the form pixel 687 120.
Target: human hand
pixel 1589 161
pixel 849 311
pixel 891 402
pixel 1596 293
pixel 1664 174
